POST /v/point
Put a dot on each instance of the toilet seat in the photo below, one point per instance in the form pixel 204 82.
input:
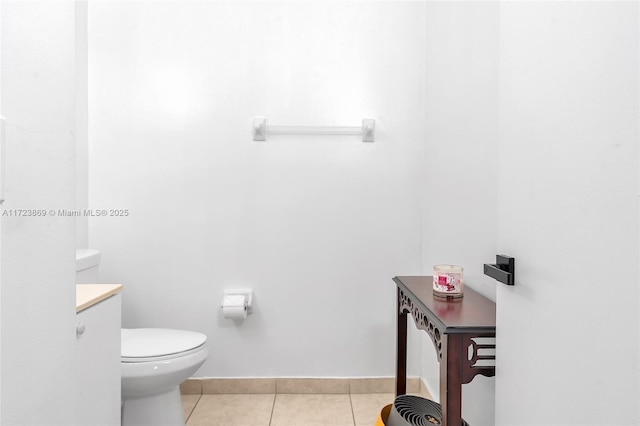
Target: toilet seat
pixel 157 344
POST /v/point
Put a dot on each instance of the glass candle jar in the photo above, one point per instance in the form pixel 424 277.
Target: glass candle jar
pixel 447 281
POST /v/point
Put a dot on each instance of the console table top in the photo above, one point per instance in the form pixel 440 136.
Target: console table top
pixel 471 313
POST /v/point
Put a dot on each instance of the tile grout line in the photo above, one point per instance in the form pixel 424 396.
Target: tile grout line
pixel 192 410
pixel 273 408
pixel 353 414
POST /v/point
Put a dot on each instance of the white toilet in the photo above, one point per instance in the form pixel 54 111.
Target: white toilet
pixel 154 362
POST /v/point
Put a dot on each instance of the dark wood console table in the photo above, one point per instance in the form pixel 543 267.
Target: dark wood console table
pixel 459 329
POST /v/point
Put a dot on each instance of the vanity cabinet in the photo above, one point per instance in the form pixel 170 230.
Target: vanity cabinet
pixel 98 356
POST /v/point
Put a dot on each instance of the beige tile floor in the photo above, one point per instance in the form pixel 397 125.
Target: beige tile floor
pixel 284 409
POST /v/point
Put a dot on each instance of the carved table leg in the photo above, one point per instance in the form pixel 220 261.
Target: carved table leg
pixel 451 380
pixel 401 350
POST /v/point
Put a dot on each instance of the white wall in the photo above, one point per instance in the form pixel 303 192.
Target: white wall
pixel 304 220
pixel 316 226
pixel 1 227
pixel 37 299
pixel 459 223
pixel 82 121
pixel 569 128
pixel 569 111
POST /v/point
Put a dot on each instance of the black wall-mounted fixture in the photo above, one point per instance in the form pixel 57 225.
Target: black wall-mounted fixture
pixel 504 270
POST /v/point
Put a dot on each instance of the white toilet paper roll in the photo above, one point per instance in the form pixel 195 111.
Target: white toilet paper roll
pixel 234 307
pixel 234 312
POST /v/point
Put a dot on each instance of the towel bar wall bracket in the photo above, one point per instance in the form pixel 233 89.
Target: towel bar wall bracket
pixel 260 130
pixel 504 270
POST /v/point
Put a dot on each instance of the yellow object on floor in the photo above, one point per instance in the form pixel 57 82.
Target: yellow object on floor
pixel 384 415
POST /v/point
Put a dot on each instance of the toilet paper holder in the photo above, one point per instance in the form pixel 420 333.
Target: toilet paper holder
pixel 248 298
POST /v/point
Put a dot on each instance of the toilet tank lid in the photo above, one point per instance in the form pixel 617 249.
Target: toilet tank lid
pixel 87 258
pixel 155 342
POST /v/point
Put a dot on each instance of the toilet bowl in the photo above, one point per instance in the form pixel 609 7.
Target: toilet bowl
pixel 154 361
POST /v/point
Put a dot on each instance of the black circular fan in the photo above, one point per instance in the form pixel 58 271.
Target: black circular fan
pixel 410 410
